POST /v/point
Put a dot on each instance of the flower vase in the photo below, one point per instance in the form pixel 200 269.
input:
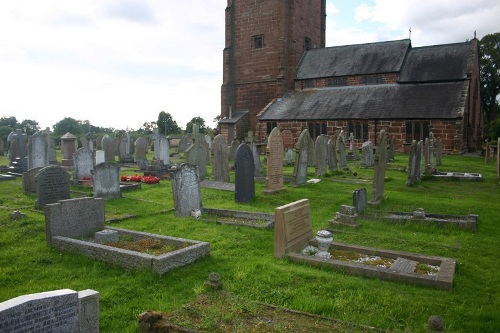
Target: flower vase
pixel 324 239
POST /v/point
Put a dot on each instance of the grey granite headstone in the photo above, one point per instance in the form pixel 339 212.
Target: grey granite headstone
pixel 83 162
pixel 359 200
pixel 244 174
pixel 332 154
pixel 304 155
pixel 320 155
pixel 186 189
pixel 107 180
pixel 29 180
pixel 220 165
pixel 107 146
pixel 141 149
pixel 274 154
pixel 88 311
pixel 38 151
pixel 52 185
pixel 379 169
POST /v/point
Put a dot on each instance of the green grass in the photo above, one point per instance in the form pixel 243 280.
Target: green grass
pixel 244 256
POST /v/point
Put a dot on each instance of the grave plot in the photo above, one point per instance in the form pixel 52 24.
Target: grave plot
pixel 473 177
pixel 77 225
pixel 239 218
pixel 294 238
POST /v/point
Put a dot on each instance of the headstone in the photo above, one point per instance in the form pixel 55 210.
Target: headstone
pixel 90 141
pixel 197 155
pixel 220 165
pixel 186 190
pixel 274 154
pixel 100 156
pixel 164 151
pixel 141 148
pixel 439 151
pixel 379 169
pixel 419 160
pixel 52 147
pixel 84 141
pixel 107 146
pixel 367 158
pixel 18 153
pixel 292 227
pixel 52 185
pixel 320 155
pixel 83 161
pixel 232 150
pixel 432 164
pixel 115 144
pixel 304 155
pixel 341 149
pixel 426 152
pixel 332 154
pixel 38 151
pixel 208 141
pixel 412 165
pixel 29 181
pixel 2 148
pixel 288 156
pixel 392 148
pixel 58 311
pixel 182 146
pixel 351 142
pixel 98 142
pixel 106 180
pixel 74 218
pixel 68 148
pixel 244 182
pixel 124 148
pixel 359 200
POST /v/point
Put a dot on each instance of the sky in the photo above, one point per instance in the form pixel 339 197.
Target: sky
pixel 119 63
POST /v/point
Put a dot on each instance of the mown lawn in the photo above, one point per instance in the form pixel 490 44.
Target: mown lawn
pixel 244 256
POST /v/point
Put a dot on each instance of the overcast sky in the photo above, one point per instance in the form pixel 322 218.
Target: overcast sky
pixel 118 63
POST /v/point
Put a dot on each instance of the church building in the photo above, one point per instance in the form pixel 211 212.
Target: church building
pixel 278 73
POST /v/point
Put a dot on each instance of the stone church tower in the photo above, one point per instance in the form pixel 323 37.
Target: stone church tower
pixel 264 42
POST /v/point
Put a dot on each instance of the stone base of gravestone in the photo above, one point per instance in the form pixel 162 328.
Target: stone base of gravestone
pixel 348 216
pixel 106 236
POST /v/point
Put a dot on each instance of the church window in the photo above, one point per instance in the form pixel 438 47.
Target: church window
pixel 316 129
pixel 258 41
pixel 270 126
pixel 360 131
pixel 417 130
pixel 372 79
pixel 337 81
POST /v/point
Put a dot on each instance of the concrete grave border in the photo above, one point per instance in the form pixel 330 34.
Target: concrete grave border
pixel 255 216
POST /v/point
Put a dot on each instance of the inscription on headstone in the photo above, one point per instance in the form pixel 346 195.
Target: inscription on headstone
pixel 52 185
pixel 274 154
pixel 292 227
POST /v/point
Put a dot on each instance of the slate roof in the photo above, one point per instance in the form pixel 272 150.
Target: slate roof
pixel 436 63
pixel 387 101
pixel 371 58
pixel 235 117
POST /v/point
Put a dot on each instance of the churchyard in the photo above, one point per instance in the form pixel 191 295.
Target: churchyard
pixel 244 257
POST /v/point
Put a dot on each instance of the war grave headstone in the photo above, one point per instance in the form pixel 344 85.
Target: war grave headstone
pixel 359 200
pixel 274 154
pixel 83 161
pixel 29 180
pixel 186 189
pixel 220 164
pixel 68 148
pixel 141 149
pixel 342 152
pixel 332 154
pixel 38 151
pixel 52 185
pixel 293 237
pixel 320 155
pixel 292 227
pixel 107 147
pixel 57 311
pixel 304 156
pixel 70 225
pixel 244 182
pixel 367 158
pixel 412 164
pixel 379 169
pixel 106 180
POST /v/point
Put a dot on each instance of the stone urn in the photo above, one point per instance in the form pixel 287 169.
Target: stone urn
pixel 324 239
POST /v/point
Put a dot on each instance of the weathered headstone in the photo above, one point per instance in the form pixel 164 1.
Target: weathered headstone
pixel 196 154
pixel 341 149
pixel 29 180
pixel 288 157
pixel 98 142
pixel 348 216
pixel 232 149
pixel 164 151
pixel 426 152
pixel 292 227
pixel 379 169
pixel 304 155
pixel 107 146
pixel 392 148
pixel 115 144
pixel 52 185
pixel 18 151
pixel 182 145
pixel 321 155
pixel 332 154
pixel 58 311
pixel 38 151
pixel 419 160
pixel 274 154
pixel 100 156
pixel 256 160
pixel 367 158
pixel 68 148
pixel 412 165
pixel 141 148
pixel 106 180
pixel 2 148
pixel 186 190
pixel 244 174
pixel 439 151
pixel 83 162
pixel 220 165
pixel 124 148
pixel 359 200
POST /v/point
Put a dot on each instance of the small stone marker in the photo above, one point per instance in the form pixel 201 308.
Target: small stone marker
pixel 292 227
pixel 274 154
pixel 404 265
pixel 52 185
pixel 107 236
pixel 348 216
pixel 186 189
pixel 244 174
pixel 107 180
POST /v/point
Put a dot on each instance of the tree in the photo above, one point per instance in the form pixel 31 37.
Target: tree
pixel 29 126
pixel 67 125
pixel 489 61
pixel 9 122
pixel 147 128
pixel 166 124
pixel 196 120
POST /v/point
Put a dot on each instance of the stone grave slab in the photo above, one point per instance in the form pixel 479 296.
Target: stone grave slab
pixel 241 218
pixel 404 265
